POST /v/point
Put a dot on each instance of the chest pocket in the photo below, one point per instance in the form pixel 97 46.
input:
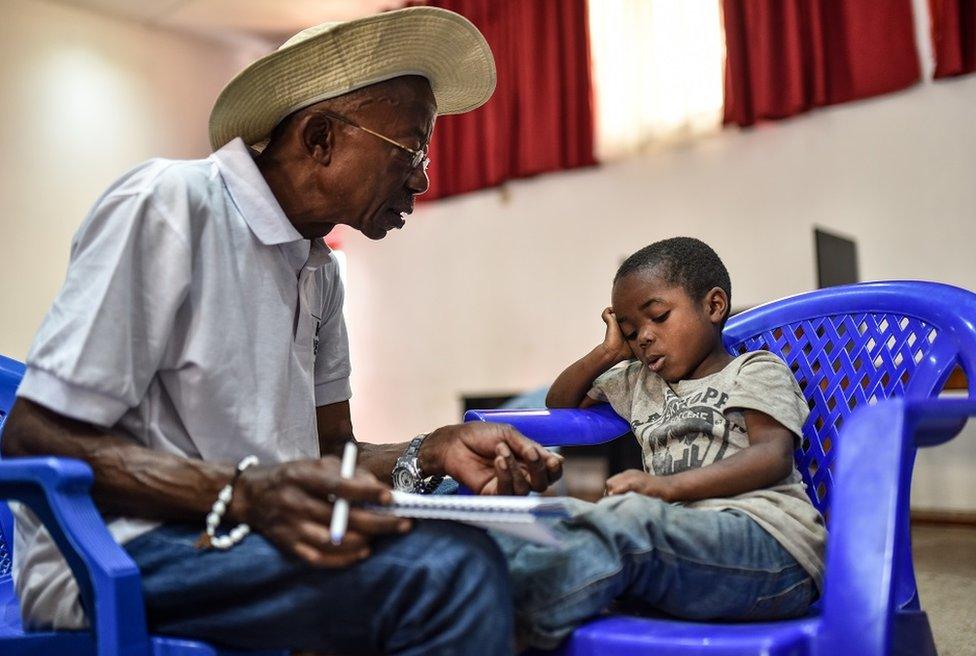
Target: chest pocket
pixel 309 314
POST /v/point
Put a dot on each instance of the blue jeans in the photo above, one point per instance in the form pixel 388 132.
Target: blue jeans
pixel 441 589
pixel 690 563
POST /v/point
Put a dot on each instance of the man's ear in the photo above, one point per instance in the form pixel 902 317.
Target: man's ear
pixel 716 305
pixel 318 137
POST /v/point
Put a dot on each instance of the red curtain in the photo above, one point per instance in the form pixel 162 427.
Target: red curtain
pixel 785 57
pixel 953 36
pixel 541 116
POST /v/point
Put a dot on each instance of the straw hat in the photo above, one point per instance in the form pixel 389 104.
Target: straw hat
pixel 331 59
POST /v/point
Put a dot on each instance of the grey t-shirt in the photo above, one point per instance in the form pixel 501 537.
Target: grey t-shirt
pixel 694 423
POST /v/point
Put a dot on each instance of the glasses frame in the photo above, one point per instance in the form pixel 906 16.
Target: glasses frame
pixel 417 157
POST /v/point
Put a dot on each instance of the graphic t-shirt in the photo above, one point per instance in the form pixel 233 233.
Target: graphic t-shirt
pixel 694 423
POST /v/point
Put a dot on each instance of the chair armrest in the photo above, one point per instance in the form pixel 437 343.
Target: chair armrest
pixel 560 426
pixel 869 516
pixel 57 490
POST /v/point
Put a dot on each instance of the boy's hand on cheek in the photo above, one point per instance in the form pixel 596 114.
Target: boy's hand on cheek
pixel 635 480
pixel 614 345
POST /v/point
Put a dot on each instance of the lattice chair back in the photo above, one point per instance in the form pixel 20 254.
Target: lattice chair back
pixel 11 372
pixel 6 543
pixel 854 345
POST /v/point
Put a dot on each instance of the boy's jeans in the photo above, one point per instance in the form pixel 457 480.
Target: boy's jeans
pixel 441 589
pixel 695 564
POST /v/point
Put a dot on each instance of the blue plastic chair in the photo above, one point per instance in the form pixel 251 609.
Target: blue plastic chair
pixel 56 489
pixel 870 358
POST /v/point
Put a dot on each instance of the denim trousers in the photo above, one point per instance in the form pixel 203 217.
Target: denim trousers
pixel 690 563
pixel 441 589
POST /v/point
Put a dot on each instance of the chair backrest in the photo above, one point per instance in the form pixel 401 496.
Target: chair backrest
pixel 11 372
pixel 854 345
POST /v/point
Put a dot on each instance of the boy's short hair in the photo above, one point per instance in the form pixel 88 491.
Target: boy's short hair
pixel 684 261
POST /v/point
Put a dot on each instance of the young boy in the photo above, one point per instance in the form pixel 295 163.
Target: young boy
pixel 717 525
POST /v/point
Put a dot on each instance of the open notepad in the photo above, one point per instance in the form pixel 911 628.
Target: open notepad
pixel 519 516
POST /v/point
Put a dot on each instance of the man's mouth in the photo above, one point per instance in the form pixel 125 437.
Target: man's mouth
pixel 396 218
pixel 656 362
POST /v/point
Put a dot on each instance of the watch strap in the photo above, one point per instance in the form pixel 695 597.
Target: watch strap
pixel 424 484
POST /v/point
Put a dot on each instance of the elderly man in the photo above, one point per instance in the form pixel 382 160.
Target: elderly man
pixel 200 327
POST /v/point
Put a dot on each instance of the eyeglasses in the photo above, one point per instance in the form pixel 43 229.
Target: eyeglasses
pixel 417 157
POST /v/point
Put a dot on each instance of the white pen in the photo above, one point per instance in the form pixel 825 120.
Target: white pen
pixel 340 511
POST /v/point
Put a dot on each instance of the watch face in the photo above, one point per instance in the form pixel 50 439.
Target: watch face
pixel 403 479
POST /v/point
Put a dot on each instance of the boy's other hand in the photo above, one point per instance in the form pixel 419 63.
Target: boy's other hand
pixel 635 480
pixel 614 344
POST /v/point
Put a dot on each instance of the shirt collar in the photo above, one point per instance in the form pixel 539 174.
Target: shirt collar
pixel 318 254
pixel 253 197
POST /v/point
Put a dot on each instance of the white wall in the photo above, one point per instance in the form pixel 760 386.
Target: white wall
pixel 943 479
pixel 84 99
pixel 896 173
pixel 499 291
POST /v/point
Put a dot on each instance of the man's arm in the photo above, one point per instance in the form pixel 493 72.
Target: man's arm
pixel 287 503
pixel 487 458
pixel 334 423
pixel 130 479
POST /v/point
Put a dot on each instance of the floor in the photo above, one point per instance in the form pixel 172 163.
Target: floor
pixel 945 569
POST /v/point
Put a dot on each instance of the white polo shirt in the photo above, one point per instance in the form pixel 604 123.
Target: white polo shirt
pixel 194 320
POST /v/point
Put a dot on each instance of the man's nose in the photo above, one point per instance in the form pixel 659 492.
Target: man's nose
pixel 418 182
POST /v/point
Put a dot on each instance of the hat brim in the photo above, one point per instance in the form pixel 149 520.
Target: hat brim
pixel 440 45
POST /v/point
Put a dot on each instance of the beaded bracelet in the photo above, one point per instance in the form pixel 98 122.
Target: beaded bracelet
pixel 209 537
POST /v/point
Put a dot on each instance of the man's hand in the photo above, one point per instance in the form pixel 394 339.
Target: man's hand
pixel 614 345
pixel 635 480
pixel 291 505
pixel 490 458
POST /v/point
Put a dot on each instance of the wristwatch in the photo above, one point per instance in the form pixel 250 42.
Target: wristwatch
pixel 407 476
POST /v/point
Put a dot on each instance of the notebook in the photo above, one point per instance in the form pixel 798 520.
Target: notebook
pixel 520 516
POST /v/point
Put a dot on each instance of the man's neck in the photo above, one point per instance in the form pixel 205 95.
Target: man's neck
pixel 282 184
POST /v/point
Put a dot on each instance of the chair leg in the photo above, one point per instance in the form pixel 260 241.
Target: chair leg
pixel 912 634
